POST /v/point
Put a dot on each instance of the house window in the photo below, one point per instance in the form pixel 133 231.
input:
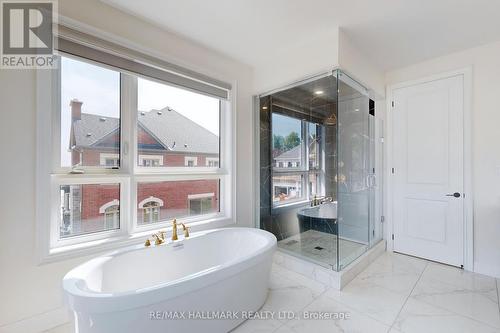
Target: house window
pixel 111 212
pixel 212 162
pixel 150 160
pixel 109 160
pixel 190 161
pixel 200 203
pixel 151 212
pixel 101 156
pixel 149 208
pixel 296 143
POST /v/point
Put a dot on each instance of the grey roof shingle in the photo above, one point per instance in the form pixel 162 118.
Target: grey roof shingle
pixel 166 125
pixel 293 153
pixel 170 126
pixel 91 128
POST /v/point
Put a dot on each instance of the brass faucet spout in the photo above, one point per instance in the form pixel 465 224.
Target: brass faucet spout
pixel 174 230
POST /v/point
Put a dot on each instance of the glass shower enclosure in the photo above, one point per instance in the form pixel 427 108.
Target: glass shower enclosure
pixel 318 169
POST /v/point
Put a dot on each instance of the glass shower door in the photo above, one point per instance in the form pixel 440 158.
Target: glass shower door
pixel 353 172
pixel 376 178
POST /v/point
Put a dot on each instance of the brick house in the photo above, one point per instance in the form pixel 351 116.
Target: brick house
pixel 165 139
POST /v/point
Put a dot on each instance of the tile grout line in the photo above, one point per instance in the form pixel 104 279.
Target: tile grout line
pixel 407 298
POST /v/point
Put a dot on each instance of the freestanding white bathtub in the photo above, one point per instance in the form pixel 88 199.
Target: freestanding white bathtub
pixel 206 283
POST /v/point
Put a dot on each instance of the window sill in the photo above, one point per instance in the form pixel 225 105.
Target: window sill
pixel 114 242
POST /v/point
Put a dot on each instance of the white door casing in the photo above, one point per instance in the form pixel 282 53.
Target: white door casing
pixel 428 145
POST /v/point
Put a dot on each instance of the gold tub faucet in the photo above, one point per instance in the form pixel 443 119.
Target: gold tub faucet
pixel 174 230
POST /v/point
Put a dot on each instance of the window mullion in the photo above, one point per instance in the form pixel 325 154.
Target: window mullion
pixel 56 116
pixel 128 90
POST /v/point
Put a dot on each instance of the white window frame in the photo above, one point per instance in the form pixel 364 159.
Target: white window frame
pixel 188 159
pixel 50 175
pixel 57 181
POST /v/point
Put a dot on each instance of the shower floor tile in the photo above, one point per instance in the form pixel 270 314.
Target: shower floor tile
pixel 321 247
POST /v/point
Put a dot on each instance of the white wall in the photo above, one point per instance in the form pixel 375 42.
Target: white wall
pixel 485 62
pixel 316 55
pixel 359 66
pixel 26 288
pixel 319 54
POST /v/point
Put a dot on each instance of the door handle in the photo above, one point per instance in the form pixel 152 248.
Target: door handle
pixel 456 195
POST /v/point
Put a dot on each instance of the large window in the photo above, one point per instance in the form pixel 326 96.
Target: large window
pixel 120 139
pixel 296 154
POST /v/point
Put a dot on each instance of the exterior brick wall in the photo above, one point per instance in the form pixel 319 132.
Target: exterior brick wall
pixel 95 196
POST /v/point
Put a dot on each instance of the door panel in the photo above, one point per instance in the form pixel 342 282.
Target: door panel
pixel 428 163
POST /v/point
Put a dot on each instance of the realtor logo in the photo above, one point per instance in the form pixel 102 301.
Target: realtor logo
pixel 27 34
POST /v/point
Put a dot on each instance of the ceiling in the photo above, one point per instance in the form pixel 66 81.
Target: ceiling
pixel 393 33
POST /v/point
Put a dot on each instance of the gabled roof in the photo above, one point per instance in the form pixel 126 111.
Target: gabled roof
pixel 295 152
pixel 291 154
pixel 173 131
pixel 91 128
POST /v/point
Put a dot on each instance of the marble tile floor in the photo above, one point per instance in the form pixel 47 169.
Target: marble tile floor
pixel 307 244
pixel 396 294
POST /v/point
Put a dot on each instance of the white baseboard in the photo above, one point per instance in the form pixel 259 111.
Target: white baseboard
pixel 490 270
pixel 38 323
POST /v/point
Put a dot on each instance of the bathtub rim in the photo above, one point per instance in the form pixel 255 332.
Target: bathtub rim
pixel 96 302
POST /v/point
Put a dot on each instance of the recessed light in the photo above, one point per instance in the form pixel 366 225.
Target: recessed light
pixel 356 110
pixel 264 108
pixel 319 92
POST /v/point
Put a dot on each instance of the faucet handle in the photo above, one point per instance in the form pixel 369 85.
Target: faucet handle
pixel 186 230
pixel 158 239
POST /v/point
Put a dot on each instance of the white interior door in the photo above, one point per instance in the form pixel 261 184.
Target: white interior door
pixel 428 170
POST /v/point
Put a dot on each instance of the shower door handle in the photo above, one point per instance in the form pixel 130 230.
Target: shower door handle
pixel 371 181
pixel 456 195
